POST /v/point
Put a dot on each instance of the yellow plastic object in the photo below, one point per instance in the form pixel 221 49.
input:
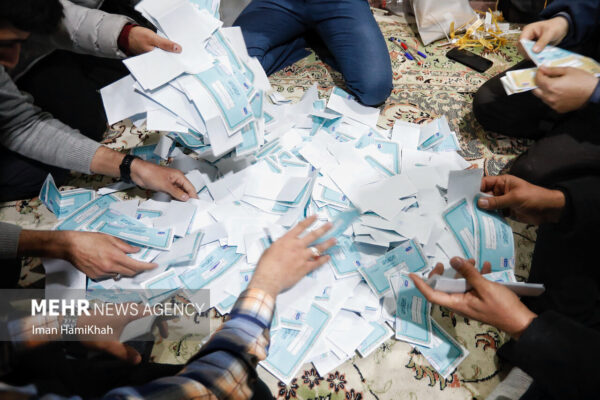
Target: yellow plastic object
pixel 483 32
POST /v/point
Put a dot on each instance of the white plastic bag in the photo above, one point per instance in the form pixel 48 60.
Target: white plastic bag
pixel 435 16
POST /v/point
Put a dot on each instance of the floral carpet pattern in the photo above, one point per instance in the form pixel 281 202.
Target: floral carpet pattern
pixel 395 370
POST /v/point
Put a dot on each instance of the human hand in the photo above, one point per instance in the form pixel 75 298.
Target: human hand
pixel 564 89
pixel 110 343
pixel 551 31
pixel 143 40
pixel 521 200
pixel 488 301
pixel 289 258
pixel 98 255
pixel 162 179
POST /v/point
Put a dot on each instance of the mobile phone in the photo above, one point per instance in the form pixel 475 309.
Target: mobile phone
pixel 469 59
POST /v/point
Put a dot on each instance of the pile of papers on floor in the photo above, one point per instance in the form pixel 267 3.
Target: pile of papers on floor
pixel 401 200
pixel 523 80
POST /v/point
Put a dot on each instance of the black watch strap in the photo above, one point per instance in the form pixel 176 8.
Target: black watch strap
pixel 125 168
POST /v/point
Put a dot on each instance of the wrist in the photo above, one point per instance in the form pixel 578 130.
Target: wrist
pixel 523 323
pixel 107 162
pixel 555 205
pixel 123 40
pixel 137 166
pixel 562 27
pixel 270 288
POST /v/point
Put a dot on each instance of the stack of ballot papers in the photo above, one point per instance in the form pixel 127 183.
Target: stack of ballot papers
pixel 401 200
pixel 523 80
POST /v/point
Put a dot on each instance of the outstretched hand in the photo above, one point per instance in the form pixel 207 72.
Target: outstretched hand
pixel 290 258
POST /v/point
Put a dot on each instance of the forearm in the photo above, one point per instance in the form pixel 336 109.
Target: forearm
pixel 51 244
pixel 550 350
pixel 225 366
pixel 90 31
pixel 584 18
pixel 106 162
pixel 26 130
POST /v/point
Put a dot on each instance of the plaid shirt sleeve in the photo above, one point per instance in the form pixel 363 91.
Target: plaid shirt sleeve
pixel 225 367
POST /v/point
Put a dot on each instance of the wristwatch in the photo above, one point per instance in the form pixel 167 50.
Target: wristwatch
pixel 125 168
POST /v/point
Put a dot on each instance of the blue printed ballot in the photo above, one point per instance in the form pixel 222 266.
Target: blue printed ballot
pixel 495 240
pixel 140 235
pixel 228 95
pixel 112 217
pixel 445 353
pixel 459 220
pixel 289 348
pixel 211 267
pixel 80 218
pixel 345 259
pixel 64 203
pixel 379 334
pixel 407 256
pixel 413 314
pixel 341 222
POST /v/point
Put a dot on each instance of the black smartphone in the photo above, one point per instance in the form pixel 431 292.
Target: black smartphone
pixel 469 59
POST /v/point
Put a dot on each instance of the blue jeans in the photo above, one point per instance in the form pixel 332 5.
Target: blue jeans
pixel 277 32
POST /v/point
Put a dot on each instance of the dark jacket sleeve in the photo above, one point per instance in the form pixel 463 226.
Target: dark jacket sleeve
pixel 585 17
pixel 560 354
pixel 582 208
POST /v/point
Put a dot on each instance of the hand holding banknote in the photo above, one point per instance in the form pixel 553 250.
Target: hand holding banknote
pixel 521 200
pixel 488 301
pixel 290 258
pixel 564 89
pixel 550 31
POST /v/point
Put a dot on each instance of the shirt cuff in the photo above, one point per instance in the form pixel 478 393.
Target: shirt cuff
pixel 566 16
pixel 595 98
pixel 9 241
pixel 256 305
pixel 123 40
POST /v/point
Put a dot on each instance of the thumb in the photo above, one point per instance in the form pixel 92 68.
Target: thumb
pixel 166 44
pixel 553 72
pixel 178 193
pixel 495 202
pixel 468 271
pixel 544 39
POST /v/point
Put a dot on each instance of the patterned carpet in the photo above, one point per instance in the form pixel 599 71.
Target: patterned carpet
pixel 394 371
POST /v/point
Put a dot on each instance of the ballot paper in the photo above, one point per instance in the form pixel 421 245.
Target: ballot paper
pixel 445 353
pixel 346 104
pixel 413 313
pixel 141 235
pixel 380 332
pixel 63 203
pixel 523 80
pixel 81 217
pixel 459 220
pixel 260 163
pixel 494 238
pixel 290 347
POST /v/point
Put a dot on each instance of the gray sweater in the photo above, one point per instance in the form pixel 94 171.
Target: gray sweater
pixel 26 130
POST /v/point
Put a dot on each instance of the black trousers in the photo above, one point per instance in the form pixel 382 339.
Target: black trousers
pixel 53 371
pixel 65 85
pixel 567 145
